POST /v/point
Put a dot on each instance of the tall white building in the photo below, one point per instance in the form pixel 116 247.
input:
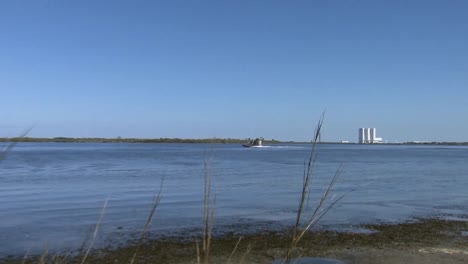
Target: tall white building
pixel 368 136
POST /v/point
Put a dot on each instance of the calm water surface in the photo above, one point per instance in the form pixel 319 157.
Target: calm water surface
pixel 51 193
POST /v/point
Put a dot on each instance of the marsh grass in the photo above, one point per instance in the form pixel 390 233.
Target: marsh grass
pixel 301 227
pixel 96 229
pixel 209 205
pixel 11 145
pixel 43 258
pixel 234 251
pixel 154 205
pixel 25 257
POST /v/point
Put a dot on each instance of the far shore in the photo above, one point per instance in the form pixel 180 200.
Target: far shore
pixel 200 141
pixel 135 140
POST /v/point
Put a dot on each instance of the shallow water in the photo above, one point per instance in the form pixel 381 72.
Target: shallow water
pixel 51 194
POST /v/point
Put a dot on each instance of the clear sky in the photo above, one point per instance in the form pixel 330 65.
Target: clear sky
pixel 198 69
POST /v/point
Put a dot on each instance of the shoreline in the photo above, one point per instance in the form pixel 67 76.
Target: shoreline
pixel 422 241
pixel 205 141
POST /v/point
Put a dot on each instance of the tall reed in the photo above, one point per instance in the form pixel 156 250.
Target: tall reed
pixel 300 227
pixel 96 229
pixel 154 205
pixel 209 204
pixel 11 145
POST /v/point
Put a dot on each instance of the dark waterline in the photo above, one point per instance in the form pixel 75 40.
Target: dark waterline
pixel 52 193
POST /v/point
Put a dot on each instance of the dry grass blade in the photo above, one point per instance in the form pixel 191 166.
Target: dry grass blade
pixel 211 225
pixel 25 257
pixel 10 146
pixel 59 259
pixel 321 209
pixel 154 205
pixel 247 251
pixel 322 213
pixel 319 212
pixel 234 250
pixel 198 252
pixel 307 177
pixel 81 249
pixel 43 258
pixel 208 211
pixel 325 194
pixel 96 229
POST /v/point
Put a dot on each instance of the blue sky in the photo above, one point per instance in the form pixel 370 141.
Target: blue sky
pixel 198 69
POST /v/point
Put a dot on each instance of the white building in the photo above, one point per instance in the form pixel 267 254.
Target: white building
pixel 368 136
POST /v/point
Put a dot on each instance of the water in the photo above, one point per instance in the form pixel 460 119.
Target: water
pixel 51 194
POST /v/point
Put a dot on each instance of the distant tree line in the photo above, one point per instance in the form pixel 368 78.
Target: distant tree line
pixel 133 140
pixel 185 140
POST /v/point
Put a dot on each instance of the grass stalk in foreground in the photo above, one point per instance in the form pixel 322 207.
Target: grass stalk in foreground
pixel 208 214
pixel 43 258
pixel 209 205
pixel 96 229
pixel 25 257
pixel 247 251
pixel 234 251
pixel 300 229
pixel 154 205
pixel 236 247
pixel 10 146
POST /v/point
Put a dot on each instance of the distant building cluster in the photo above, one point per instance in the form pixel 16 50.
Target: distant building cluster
pixel 368 136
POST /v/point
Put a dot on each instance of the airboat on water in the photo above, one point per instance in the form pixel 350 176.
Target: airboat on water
pixel 254 143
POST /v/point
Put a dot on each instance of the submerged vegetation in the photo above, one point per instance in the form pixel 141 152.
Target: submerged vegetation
pixel 422 241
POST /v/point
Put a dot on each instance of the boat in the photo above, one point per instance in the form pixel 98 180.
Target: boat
pixel 254 143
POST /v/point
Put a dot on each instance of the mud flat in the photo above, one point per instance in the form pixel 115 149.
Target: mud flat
pixel 418 241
